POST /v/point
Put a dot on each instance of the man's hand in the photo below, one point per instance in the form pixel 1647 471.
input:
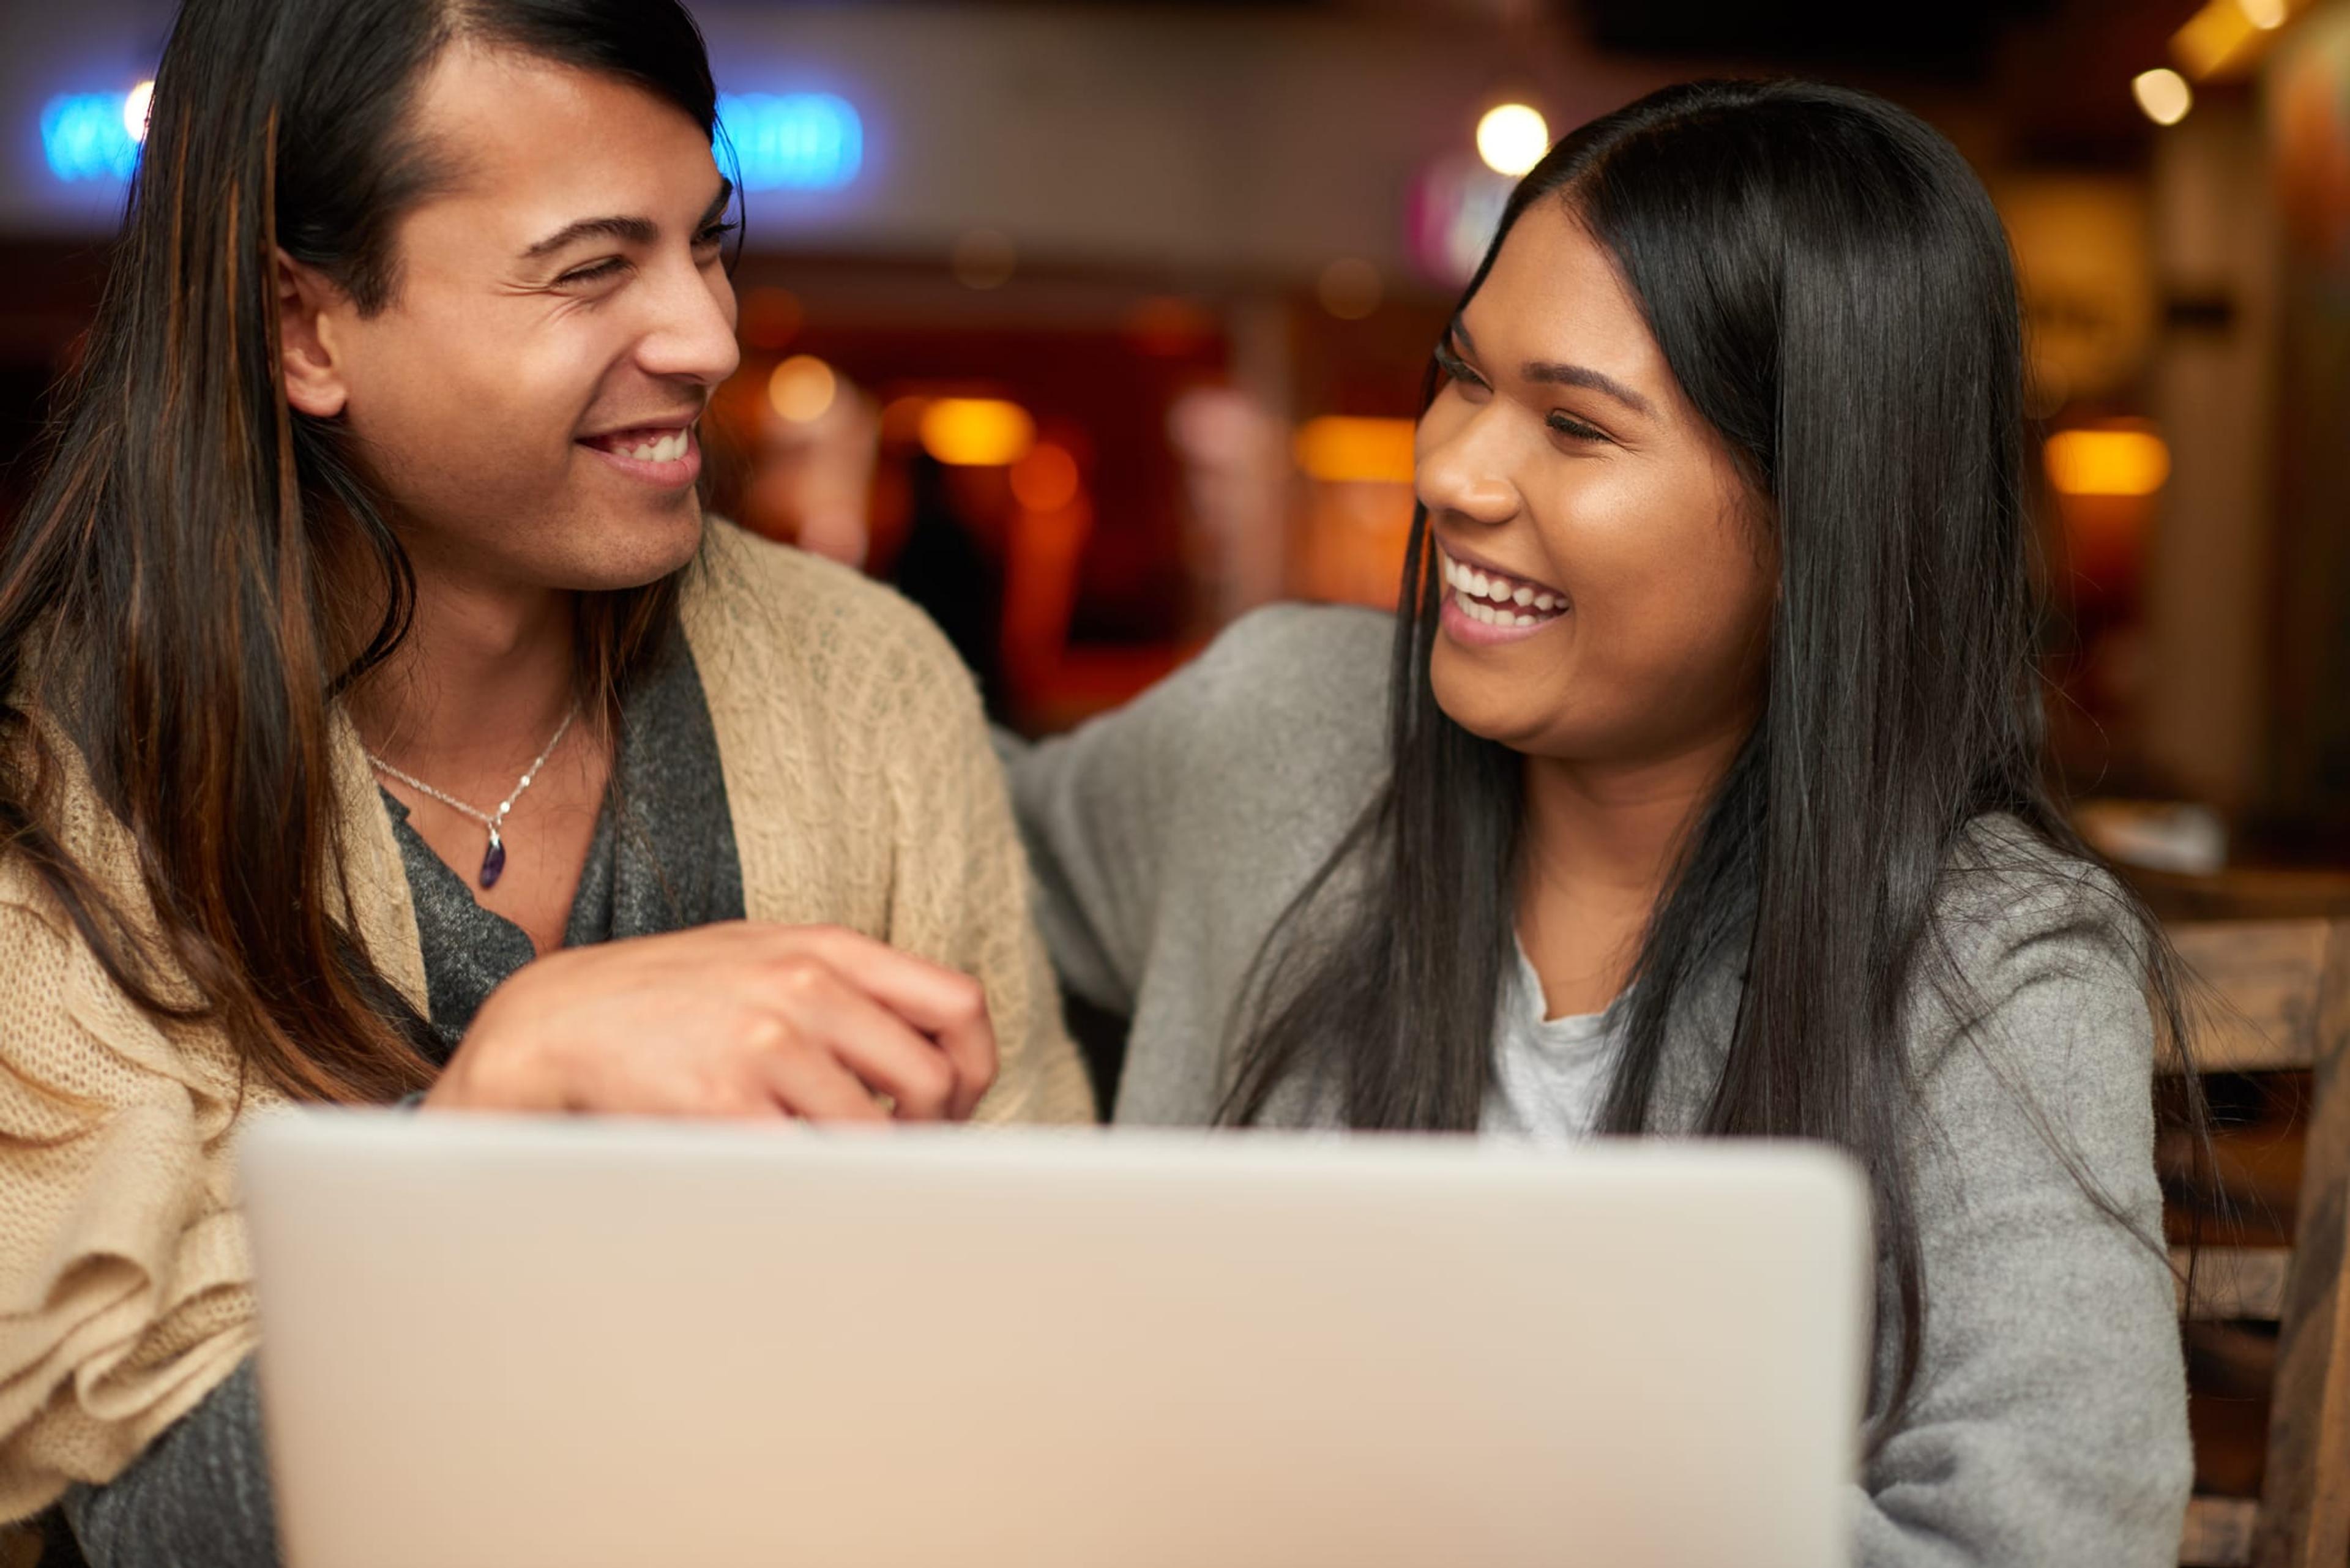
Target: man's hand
pixel 747 1019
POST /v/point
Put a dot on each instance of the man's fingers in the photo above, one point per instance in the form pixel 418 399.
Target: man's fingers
pixel 873 1043
pixel 741 1019
pixel 810 1084
pixel 637 1081
pixel 928 995
pixel 949 1006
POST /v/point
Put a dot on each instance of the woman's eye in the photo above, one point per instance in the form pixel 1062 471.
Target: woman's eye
pixel 1453 365
pixel 714 234
pixel 595 272
pixel 1575 428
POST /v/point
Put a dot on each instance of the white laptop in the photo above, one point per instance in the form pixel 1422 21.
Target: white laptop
pixel 495 1343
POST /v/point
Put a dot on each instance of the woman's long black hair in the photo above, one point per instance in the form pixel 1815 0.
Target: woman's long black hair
pixel 1834 292
pixel 201 570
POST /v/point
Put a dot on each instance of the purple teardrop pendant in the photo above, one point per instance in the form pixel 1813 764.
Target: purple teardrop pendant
pixel 493 864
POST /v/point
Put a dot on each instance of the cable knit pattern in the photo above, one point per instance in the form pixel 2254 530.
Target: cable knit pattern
pixel 863 794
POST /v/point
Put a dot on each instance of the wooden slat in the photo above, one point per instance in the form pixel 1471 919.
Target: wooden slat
pixel 2219 1532
pixel 2239 893
pixel 2254 1171
pixel 2233 1282
pixel 2306 1501
pixel 2265 977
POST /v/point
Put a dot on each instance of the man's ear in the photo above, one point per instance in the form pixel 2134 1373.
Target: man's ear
pixel 309 313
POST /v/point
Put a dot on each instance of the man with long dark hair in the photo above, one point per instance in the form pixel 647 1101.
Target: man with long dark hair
pixel 364 641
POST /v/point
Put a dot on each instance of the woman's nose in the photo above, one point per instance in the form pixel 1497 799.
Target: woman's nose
pixel 1459 474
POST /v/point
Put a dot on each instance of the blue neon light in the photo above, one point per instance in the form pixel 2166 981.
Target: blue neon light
pixel 83 137
pixel 799 141
pixel 793 141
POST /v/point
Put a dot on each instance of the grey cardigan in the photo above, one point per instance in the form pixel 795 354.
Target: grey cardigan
pixel 2049 1423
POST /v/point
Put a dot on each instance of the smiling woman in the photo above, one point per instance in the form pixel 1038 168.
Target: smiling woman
pixel 1697 791
pixel 1563 444
pixel 384 718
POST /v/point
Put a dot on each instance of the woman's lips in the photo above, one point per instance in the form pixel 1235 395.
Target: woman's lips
pixel 1483 607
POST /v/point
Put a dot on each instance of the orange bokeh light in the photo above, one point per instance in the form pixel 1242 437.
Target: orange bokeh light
pixel 1046 480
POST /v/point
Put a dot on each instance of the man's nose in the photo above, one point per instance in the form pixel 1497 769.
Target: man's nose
pixel 692 335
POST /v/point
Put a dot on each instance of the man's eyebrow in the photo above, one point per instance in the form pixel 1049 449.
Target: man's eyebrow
pixel 635 231
pixel 1558 375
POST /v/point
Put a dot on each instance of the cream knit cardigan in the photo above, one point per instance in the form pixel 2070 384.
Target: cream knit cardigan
pixel 863 794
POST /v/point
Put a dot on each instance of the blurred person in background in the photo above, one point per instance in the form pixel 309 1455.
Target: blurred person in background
pixel 945 567
pixel 384 718
pixel 1698 790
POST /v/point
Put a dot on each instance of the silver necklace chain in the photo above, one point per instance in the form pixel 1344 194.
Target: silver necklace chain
pixel 491 820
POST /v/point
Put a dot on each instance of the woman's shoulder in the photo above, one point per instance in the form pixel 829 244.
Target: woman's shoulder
pixel 2006 889
pixel 1293 686
pixel 2037 963
pixel 1305 653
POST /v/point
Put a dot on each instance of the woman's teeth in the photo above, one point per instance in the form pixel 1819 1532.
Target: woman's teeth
pixel 1496 600
pixel 668 448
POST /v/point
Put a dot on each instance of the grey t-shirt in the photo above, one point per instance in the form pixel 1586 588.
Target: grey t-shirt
pixel 663 858
pixel 1549 1074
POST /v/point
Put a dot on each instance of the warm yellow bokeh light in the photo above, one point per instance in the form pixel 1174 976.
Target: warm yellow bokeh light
pixel 2107 462
pixel 135 105
pixel 1338 449
pixel 2268 15
pixel 1046 478
pixel 1513 138
pixel 2217 40
pixel 977 433
pixel 2164 94
pixel 801 389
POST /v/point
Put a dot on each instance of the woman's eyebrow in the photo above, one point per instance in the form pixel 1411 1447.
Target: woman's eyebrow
pixel 1582 376
pixel 1563 374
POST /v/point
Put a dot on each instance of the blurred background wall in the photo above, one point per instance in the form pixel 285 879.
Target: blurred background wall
pixel 1092 325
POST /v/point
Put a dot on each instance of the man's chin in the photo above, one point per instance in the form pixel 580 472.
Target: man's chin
pixel 632 553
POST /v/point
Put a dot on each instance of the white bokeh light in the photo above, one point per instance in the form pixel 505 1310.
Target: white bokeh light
pixel 135 104
pixel 1513 138
pixel 2164 95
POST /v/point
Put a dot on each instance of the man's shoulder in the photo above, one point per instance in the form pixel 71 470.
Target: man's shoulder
pixel 796 613
pixel 743 579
